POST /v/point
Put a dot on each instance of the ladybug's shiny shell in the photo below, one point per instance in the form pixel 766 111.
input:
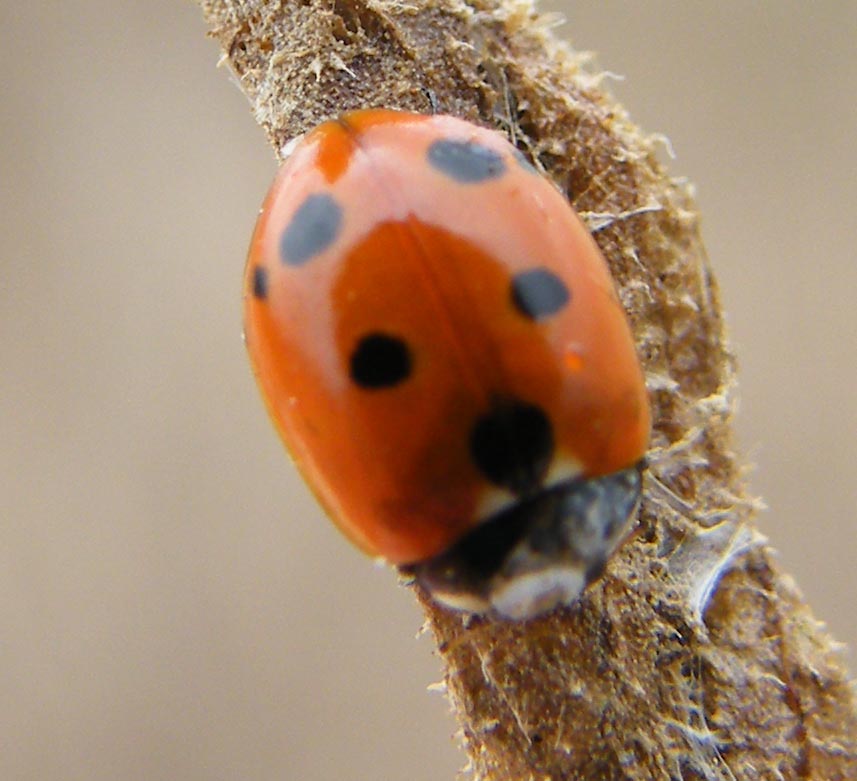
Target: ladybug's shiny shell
pixel 440 345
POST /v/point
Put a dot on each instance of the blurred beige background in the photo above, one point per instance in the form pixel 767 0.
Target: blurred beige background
pixel 173 605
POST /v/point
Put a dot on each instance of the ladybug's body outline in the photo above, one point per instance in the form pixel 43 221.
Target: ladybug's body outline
pixel 439 342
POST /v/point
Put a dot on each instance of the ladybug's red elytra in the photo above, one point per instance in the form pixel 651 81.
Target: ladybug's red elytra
pixel 439 342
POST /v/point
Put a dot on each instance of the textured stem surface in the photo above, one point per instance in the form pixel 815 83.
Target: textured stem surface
pixel 694 657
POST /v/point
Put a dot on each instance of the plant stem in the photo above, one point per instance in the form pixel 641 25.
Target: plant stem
pixel 694 657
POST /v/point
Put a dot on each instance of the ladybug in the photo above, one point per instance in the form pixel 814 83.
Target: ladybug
pixel 440 344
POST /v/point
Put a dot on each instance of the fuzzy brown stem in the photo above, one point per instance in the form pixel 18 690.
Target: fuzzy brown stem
pixel 694 657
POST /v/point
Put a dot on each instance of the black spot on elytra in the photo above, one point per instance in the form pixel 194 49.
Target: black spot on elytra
pixel 260 282
pixel 513 445
pixel 465 161
pixel 538 293
pixel 312 229
pixel 380 361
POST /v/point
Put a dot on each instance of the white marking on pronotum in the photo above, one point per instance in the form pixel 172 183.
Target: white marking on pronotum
pixel 536 593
